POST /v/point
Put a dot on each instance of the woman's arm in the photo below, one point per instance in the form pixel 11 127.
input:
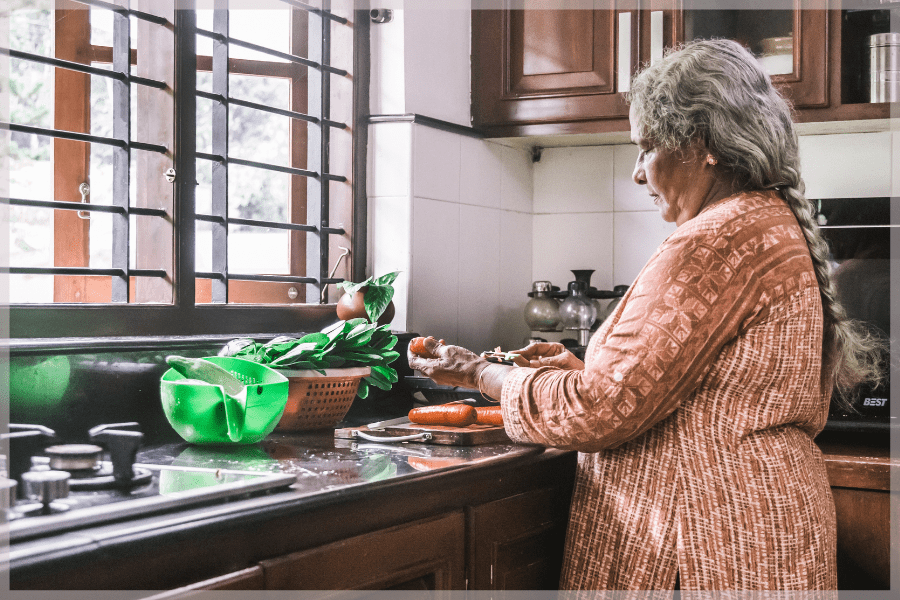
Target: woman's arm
pixel 697 293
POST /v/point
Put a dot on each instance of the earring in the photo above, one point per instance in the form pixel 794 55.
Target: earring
pixel 710 159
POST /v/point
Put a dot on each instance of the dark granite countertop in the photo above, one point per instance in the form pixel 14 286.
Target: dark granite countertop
pixel 330 472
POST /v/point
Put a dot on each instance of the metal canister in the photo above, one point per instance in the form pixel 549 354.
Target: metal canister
pixel 884 67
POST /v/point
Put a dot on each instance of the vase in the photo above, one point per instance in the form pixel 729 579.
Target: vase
pixel 542 311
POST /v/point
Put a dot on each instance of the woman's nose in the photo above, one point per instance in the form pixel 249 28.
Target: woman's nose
pixel 638 174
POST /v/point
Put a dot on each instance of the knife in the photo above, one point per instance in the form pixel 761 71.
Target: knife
pixel 388 423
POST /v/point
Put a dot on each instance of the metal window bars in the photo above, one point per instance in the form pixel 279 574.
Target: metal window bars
pixel 316 173
pixel 121 272
pixel 320 20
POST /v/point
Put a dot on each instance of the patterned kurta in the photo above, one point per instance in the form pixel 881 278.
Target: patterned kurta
pixel 695 415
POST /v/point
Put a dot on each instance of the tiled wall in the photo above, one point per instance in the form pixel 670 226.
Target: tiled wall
pixel 454 213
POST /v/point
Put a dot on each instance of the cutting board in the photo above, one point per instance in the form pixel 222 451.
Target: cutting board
pixel 471 435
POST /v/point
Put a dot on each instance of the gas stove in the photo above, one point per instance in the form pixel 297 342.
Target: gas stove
pixel 47 487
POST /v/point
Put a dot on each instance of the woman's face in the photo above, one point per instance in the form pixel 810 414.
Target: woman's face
pixel 677 181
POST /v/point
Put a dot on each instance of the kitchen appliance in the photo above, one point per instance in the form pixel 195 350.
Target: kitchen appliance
pixel 884 67
pixel 49 487
pixel 858 232
pixel 578 312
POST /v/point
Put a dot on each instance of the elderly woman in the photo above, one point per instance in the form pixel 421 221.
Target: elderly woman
pixel 695 409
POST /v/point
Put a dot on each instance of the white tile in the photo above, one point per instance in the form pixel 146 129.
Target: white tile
pixel 637 235
pixel 516 180
pixel 436 43
pixel 628 194
pixel 388 75
pixel 574 180
pixel 849 165
pixel 434 273
pixel 479 276
pixel 510 328
pixel 895 161
pixel 390 156
pixel 573 241
pixel 480 167
pixel 435 164
pixel 389 249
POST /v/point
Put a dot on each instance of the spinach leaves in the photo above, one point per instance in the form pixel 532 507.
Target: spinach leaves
pixel 353 343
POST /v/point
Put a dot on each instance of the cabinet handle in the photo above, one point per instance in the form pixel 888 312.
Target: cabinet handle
pixel 656 36
pixel 624 63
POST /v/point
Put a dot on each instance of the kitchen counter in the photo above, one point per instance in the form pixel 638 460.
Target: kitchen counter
pixel 347 489
pixel 343 488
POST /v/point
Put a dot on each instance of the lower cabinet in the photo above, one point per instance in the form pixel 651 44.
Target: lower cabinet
pixel 424 555
pixel 514 543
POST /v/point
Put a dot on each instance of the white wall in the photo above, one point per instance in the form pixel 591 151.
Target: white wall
pixel 454 214
pixel 420 64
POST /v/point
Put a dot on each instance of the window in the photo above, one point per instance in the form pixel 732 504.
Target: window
pixel 172 167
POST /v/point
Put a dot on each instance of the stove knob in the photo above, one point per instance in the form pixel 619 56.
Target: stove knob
pixel 46 486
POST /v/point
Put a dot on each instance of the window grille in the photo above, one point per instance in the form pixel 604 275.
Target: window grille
pixel 185 314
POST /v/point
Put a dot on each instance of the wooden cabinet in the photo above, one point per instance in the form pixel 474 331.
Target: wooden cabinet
pixel 516 543
pixel 425 555
pixel 868 515
pixel 549 72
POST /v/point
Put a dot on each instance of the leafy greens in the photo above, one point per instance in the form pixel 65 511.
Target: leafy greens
pixel 353 343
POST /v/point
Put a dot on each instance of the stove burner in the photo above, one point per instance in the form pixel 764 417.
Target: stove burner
pixel 74 457
pixel 103 478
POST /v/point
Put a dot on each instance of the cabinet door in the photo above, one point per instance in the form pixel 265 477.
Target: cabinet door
pixel 551 66
pixel 246 579
pixel 792 43
pixel 516 543
pixel 424 555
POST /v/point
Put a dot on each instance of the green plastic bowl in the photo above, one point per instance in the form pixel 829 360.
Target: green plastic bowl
pixel 197 411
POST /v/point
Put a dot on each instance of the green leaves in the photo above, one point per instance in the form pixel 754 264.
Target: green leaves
pixel 379 293
pixel 353 343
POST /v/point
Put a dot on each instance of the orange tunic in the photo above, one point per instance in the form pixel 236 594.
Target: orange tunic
pixel 695 416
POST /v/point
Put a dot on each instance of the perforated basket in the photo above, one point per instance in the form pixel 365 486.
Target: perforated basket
pixel 317 401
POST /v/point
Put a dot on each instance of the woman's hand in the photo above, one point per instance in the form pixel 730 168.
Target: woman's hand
pixel 549 354
pixel 453 365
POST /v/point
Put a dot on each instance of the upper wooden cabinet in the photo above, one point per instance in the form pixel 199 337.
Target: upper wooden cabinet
pixel 547 72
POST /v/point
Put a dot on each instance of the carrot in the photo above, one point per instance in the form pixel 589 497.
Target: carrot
pixel 459 415
pixel 417 346
pixel 489 415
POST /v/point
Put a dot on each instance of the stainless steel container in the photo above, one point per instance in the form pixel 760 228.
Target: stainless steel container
pixel 884 67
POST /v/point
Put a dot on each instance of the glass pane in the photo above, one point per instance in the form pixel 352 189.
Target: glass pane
pixel 30 289
pixel 270 28
pixel 203 247
pixel 204 125
pixel 769 34
pixel 203 191
pixel 101 240
pixel 102 28
pixel 258 194
pixel 255 251
pixel 31 31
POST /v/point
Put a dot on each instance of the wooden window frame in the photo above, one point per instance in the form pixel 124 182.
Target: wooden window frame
pixel 185 317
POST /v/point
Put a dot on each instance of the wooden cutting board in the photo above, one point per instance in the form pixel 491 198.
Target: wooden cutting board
pixel 471 435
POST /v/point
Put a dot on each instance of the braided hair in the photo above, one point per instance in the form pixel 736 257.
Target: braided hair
pixel 716 92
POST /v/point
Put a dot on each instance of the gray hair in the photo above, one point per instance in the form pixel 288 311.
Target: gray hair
pixel 717 93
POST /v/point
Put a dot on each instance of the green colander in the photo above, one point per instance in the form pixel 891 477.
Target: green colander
pixel 203 414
